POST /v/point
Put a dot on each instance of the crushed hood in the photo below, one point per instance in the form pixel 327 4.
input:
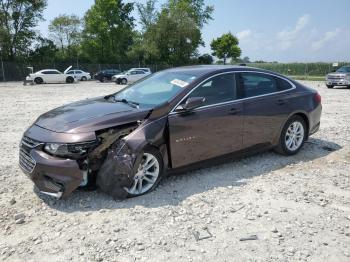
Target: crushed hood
pixel 90 115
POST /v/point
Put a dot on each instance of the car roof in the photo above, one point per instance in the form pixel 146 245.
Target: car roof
pixel 205 69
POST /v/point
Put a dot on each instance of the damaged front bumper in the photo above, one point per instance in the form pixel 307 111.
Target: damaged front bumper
pixel 53 176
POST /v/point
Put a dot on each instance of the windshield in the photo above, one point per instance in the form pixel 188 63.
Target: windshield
pixel 344 69
pixel 156 89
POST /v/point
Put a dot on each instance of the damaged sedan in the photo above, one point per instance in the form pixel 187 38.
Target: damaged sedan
pixel 126 142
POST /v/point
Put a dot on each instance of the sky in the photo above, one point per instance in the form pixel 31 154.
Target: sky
pixel 269 30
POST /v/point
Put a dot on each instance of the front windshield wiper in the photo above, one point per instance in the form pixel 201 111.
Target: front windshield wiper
pixel 128 102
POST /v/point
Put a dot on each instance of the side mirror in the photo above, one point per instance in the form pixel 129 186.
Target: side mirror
pixel 191 103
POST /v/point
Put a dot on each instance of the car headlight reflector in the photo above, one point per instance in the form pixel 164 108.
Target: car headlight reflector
pixel 69 149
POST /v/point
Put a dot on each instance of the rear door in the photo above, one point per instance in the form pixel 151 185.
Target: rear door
pixel 266 106
pixel 209 131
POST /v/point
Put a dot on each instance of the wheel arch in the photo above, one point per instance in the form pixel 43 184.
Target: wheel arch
pixel 300 113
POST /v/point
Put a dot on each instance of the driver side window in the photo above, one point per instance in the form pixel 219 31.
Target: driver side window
pixel 216 90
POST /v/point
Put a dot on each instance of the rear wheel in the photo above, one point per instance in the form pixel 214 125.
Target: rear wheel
pixel 38 80
pixel 330 86
pixel 293 136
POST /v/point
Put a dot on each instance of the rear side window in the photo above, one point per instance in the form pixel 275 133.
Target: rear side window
pixel 216 90
pixel 254 84
pixel 282 84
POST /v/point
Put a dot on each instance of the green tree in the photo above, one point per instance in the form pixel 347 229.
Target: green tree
pixel 148 14
pixel 205 59
pixel 226 47
pixel 65 30
pixel 246 59
pixel 108 31
pixel 176 34
pixel 44 52
pixel 18 18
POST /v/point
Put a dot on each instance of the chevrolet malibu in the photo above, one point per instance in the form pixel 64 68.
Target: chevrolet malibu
pixel 127 141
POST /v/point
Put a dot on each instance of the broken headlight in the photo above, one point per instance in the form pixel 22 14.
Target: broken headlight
pixel 73 150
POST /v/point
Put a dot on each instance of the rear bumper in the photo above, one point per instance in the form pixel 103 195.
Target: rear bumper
pixel 52 176
pixel 315 119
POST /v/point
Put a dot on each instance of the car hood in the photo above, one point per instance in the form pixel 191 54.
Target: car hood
pixel 90 115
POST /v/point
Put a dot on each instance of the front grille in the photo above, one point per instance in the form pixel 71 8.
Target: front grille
pixel 26 162
pixel 336 77
pixel 30 142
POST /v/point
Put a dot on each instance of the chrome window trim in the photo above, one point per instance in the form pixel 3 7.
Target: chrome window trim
pixel 173 112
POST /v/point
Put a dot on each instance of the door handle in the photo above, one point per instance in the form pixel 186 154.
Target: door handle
pixel 281 102
pixel 234 111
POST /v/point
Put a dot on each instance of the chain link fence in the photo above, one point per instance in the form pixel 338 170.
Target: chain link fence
pixel 299 69
pixel 14 71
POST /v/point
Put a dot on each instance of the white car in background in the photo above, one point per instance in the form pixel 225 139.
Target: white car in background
pixel 79 74
pixel 132 75
pixel 50 76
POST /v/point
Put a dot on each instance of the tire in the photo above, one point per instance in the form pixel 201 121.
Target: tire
pixel 83 78
pixel 153 153
pixel 69 80
pixel 330 86
pixel 118 185
pixel 124 81
pixel 38 80
pixel 285 147
pixel 104 79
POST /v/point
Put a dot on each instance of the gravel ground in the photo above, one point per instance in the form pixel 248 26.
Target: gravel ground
pixel 261 208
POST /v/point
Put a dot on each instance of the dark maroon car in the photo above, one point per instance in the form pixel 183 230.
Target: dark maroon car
pixel 127 141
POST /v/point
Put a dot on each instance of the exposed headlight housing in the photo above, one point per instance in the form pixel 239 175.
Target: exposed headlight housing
pixel 69 150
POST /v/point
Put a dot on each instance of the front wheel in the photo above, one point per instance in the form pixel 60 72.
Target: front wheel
pixel 148 174
pixel 293 136
pixel 124 81
pixel 113 181
pixel 84 78
pixel 38 80
pixel 69 80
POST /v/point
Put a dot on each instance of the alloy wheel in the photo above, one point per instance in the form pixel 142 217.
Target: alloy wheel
pixel 294 136
pixel 146 176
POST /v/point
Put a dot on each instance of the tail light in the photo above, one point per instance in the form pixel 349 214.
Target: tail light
pixel 317 98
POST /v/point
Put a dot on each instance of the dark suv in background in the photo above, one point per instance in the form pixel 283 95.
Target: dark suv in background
pixel 106 75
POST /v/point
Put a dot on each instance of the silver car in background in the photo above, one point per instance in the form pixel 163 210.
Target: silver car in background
pixel 131 76
pixel 341 77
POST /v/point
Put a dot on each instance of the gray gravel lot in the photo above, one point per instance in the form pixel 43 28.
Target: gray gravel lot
pixel 261 208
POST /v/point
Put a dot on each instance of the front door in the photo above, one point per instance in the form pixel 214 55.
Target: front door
pixel 211 130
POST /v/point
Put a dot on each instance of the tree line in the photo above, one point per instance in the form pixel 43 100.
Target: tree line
pixel 108 33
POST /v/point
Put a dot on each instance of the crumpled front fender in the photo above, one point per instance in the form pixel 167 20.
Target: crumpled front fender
pixel 124 157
